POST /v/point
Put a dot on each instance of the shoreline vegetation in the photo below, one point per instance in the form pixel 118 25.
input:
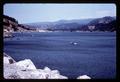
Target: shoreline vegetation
pixel 25 69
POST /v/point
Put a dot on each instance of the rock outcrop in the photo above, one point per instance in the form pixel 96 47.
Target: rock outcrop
pixel 11 25
pixel 83 77
pixel 8 60
pixel 25 69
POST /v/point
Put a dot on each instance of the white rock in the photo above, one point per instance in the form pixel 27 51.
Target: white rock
pixel 55 72
pixel 46 73
pixel 57 76
pixel 10 71
pixel 29 74
pixel 83 77
pixel 25 69
pixel 13 71
pixel 46 69
pixel 62 77
pixel 26 64
pixel 6 60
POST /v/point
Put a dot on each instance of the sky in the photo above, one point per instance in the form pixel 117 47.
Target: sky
pixel 30 13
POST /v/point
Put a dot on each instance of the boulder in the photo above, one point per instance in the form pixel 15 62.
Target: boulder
pixel 26 64
pixel 46 69
pixel 10 71
pixel 83 77
pixel 55 72
pixel 47 73
pixel 8 60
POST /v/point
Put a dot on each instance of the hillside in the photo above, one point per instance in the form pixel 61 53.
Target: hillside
pixel 101 24
pixel 96 24
pixel 11 25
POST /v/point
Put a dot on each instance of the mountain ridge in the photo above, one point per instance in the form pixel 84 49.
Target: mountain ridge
pixel 75 24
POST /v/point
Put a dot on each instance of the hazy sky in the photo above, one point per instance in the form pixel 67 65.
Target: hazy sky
pixel 28 13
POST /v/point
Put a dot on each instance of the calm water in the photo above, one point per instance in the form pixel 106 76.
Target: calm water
pixel 94 55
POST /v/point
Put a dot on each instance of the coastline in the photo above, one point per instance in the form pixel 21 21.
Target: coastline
pixel 65 31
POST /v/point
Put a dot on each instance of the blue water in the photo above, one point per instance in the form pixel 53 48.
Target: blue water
pixel 94 54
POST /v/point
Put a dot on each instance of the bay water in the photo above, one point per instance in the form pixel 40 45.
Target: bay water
pixel 72 53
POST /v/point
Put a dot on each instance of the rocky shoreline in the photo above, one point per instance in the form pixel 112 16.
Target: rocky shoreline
pixel 25 69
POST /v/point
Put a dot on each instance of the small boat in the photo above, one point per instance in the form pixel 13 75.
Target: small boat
pixel 73 43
